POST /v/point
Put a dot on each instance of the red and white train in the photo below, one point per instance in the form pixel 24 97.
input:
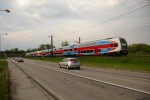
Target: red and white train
pixel 115 46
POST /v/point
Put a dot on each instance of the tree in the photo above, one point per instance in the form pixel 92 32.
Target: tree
pixel 45 46
pixel 29 50
pixel 15 50
pixel 139 48
pixel 64 43
pixel 42 47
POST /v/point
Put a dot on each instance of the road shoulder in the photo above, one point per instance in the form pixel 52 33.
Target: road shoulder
pixel 21 87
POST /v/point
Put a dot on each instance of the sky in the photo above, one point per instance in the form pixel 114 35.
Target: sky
pixel 31 22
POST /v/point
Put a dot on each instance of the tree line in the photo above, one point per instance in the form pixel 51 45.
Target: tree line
pixel 139 48
pixel 16 52
pixel 47 46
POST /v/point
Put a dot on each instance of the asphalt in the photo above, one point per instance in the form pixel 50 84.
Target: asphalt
pixel 22 87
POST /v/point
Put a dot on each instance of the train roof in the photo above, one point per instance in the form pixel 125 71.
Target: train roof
pixel 104 41
pixel 99 40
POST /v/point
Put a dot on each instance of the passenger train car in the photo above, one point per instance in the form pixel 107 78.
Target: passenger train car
pixel 115 46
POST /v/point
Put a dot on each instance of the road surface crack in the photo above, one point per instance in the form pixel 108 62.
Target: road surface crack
pixel 69 81
pixel 146 98
pixel 124 93
pixel 98 85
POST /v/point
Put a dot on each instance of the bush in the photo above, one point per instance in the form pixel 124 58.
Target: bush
pixel 139 48
pixel 3 81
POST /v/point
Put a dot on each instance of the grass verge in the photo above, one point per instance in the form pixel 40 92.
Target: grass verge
pixel 3 80
pixel 130 63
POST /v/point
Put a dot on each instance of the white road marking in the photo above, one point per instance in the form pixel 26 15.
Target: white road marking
pixel 117 85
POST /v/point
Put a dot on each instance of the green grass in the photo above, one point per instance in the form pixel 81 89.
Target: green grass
pixel 129 62
pixel 3 81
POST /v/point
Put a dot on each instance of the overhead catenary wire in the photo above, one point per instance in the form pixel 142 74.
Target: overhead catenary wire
pixel 129 31
pixel 130 27
pixel 105 21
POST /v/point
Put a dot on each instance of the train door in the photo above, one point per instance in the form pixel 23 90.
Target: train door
pixel 79 52
pixel 96 52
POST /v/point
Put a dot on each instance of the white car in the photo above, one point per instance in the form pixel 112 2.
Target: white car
pixel 20 59
pixel 70 63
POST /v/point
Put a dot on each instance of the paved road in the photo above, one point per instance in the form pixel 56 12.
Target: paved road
pixel 89 83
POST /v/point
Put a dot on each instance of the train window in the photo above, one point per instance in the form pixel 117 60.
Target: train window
pixel 88 51
pixel 99 50
pixel 91 51
pixel 81 51
pixel 116 44
pixel 122 40
pixel 84 51
pixel 70 49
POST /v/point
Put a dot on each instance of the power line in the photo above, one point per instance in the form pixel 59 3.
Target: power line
pixel 107 20
pixel 133 31
pixel 130 27
pixel 104 21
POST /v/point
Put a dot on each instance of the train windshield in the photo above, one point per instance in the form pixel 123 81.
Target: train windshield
pixel 123 43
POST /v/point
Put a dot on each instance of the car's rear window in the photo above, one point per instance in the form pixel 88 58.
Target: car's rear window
pixel 74 60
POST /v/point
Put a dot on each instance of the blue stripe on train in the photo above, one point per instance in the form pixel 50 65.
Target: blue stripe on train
pixel 105 50
pixel 103 42
pixel 70 53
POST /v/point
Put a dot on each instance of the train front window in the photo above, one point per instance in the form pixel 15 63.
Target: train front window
pixel 123 43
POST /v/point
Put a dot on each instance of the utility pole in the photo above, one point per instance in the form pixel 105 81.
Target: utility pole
pixel 79 40
pixel 52 45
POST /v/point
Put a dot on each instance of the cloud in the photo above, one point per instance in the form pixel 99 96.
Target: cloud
pixel 31 21
pixel 23 3
pixel 21 36
pixel 112 2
